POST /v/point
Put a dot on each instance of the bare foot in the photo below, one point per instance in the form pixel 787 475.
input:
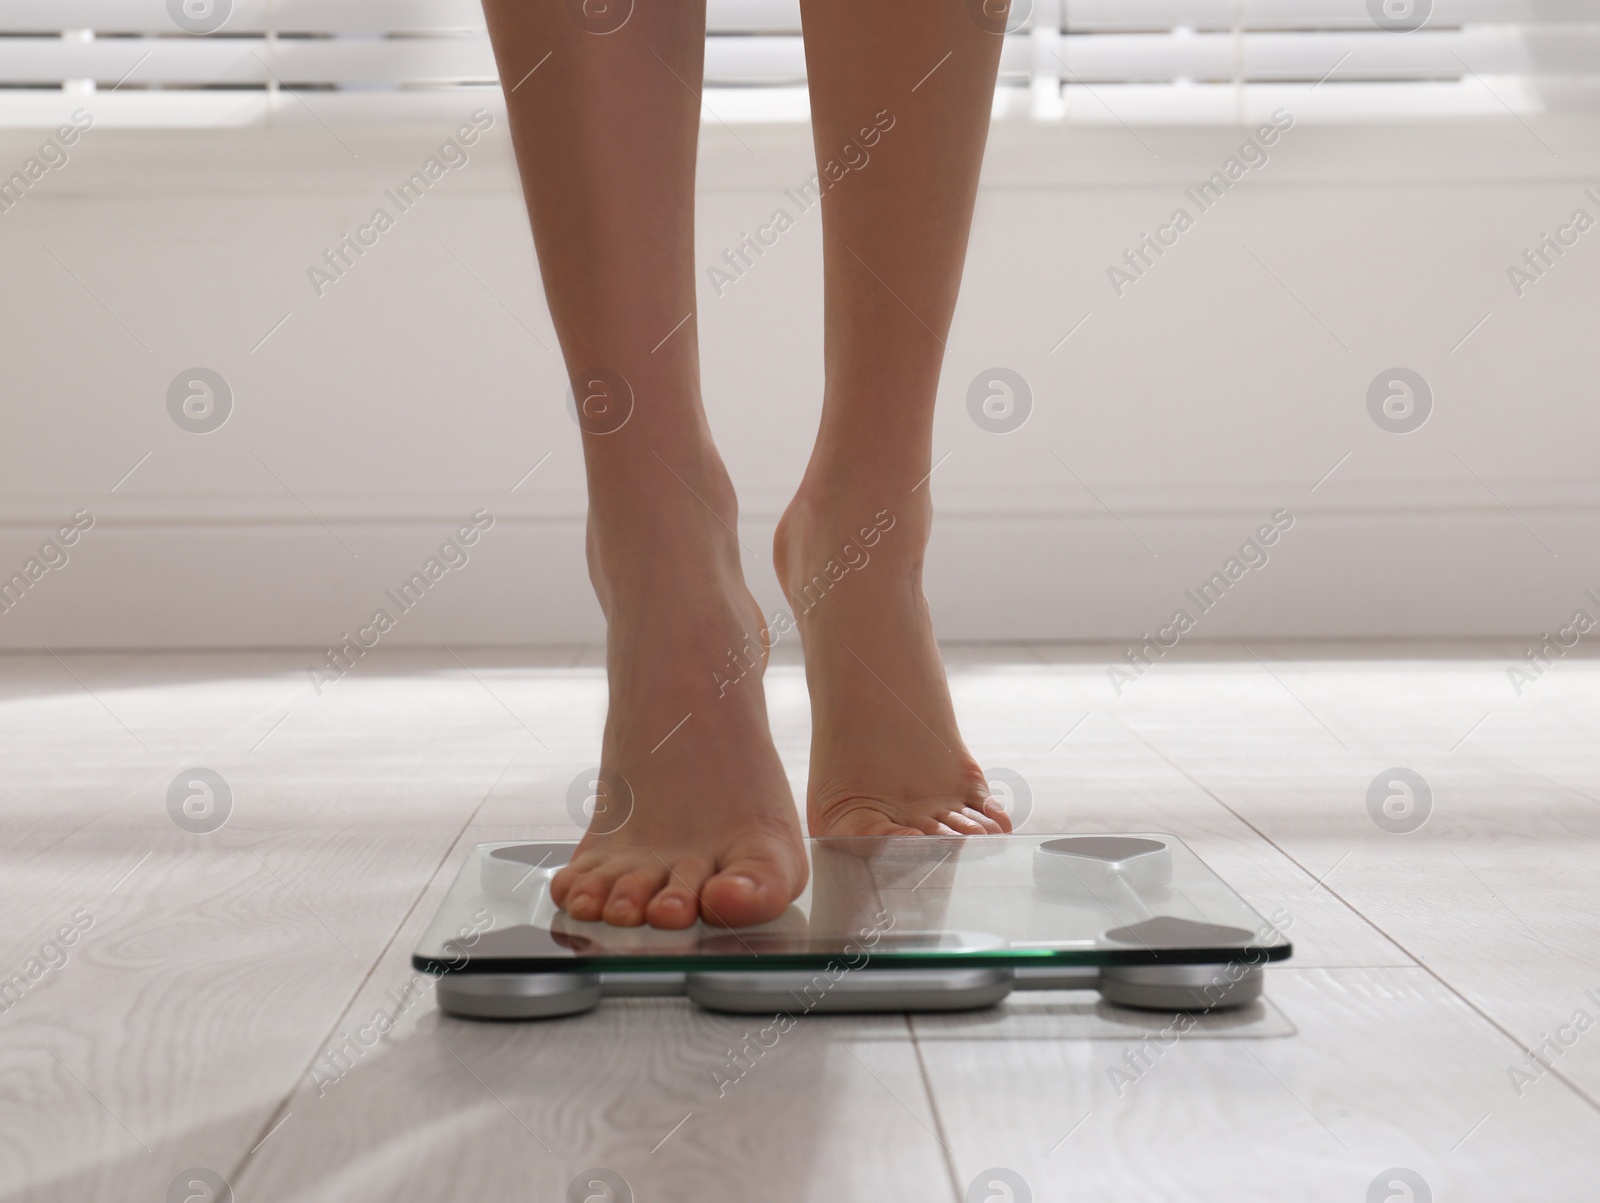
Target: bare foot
pixel 705 825
pixel 886 757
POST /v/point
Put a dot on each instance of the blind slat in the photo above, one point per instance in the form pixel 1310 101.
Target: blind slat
pixel 1090 15
pixel 339 16
pixel 1493 50
pixel 245 17
pixel 323 61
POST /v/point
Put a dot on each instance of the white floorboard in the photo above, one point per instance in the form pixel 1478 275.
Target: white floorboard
pixel 186 1024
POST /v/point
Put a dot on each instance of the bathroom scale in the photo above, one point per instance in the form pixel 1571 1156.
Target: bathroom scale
pixel 900 923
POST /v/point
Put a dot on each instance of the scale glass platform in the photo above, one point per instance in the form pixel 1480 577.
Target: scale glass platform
pixel 912 923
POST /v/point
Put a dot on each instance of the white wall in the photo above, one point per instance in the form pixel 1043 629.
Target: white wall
pixel 423 386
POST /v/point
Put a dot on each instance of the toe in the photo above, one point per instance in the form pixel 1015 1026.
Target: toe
pixel 991 824
pixel 586 893
pixel 994 812
pixel 933 824
pixel 963 822
pixel 677 904
pixel 632 894
pixel 740 896
pixel 753 886
pixel 561 883
pixel 584 865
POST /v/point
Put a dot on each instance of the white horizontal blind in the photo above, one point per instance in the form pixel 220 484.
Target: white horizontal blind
pixel 1327 57
pixel 209 62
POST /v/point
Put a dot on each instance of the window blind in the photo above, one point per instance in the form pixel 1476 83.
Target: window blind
pixel 232 62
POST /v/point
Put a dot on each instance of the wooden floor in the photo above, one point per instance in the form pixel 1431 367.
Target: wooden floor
pixel 211 971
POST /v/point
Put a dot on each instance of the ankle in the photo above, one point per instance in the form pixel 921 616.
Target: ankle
pixel 662 526
pixel 839 503
pixel 827 535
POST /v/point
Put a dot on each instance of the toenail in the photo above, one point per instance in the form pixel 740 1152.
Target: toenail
pixel 747 884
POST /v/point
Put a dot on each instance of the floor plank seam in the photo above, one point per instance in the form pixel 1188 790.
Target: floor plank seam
pixel 1355 910
pixel 1267 839
pixel 173 767
pixel 1571 789
pixel 957 1192
pixel 1476 1009
pixel 244 1162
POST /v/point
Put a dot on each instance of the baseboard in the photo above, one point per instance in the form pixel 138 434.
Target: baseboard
pixel 1333 573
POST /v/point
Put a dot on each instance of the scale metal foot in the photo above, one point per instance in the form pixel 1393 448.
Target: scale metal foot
pixel 517 995
pixel 1181 987
pixel 761 992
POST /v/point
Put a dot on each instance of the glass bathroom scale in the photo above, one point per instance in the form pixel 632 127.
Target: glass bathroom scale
pixel 904 923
